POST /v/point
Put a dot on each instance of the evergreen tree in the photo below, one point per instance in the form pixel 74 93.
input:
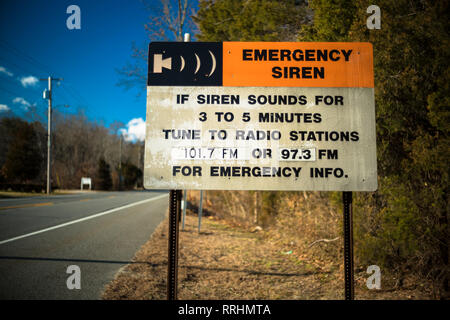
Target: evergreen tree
pixel 404 225
pixel 23 159
pixel 250 20
pixel 131 174
pixel 104 175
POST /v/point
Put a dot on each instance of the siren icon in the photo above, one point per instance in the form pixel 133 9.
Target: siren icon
pixel 178 63
pixel 159 63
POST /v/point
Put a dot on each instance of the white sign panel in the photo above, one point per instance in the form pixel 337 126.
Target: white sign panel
pixel 261 138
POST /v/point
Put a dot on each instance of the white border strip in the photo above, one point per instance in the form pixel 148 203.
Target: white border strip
pixel 83 219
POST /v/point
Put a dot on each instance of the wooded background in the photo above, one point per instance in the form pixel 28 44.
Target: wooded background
pixel 402 227
pixel 81 148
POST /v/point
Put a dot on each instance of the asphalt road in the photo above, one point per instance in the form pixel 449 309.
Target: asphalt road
pixel 40 237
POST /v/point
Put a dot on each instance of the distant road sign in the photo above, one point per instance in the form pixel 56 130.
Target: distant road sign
pixel 260 116
pixel 85 181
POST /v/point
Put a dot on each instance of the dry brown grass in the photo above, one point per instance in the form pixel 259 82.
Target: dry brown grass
pixel 227 261
pixel 14 194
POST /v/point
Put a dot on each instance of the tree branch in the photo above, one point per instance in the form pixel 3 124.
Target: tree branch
pixel 323 240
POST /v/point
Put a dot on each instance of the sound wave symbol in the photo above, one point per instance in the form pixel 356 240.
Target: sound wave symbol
pixel 213 63
pixel 198 63
pixel 182 63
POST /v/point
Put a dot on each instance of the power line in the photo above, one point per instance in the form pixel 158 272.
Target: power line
pixel 16 95
pixel 11 92
pixel 74 93
pixel 37 90
pixel 30 59
pixel 8 61
pixel 78 96
pixel 15 83
pixel 62 96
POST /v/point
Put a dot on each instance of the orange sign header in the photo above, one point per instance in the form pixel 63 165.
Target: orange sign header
pixel 261 64
pixel 297 64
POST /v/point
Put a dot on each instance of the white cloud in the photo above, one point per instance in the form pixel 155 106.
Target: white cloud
pixel 3 70
pixel 29 81
pixel 135 130
pixel 3 107
pixel 25 104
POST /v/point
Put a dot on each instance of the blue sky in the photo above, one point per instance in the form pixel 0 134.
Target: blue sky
pixel 35 43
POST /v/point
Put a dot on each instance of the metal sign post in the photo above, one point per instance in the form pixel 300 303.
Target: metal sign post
pixel 184 207
pixel 348 246
pixel 174 220
pixel 200 211
pixel 172 270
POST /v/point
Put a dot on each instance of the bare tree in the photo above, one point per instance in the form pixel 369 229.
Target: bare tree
pixel 168 21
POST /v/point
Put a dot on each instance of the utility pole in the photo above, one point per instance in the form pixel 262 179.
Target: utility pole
pixel 48 96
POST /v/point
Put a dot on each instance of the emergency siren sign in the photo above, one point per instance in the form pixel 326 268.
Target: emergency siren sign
pixel 260 116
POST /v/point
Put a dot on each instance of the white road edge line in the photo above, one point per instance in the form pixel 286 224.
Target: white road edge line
pixel 84 219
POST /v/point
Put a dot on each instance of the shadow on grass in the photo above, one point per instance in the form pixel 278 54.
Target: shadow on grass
pixel 193 209
pixel 250 272
pixel 254 272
